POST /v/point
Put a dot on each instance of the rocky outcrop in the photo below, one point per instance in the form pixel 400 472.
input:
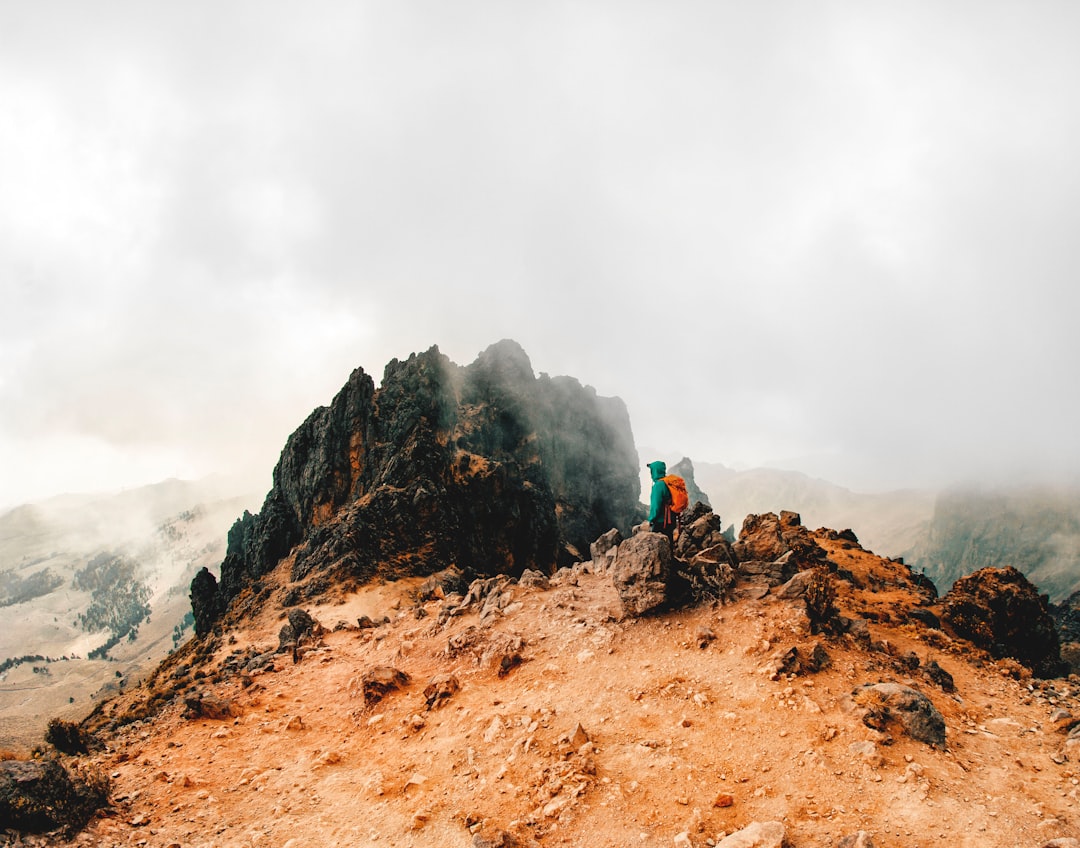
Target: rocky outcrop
pixel 641 572
pixel 773 548
pixel 486 467
pixel 43 795
pixel 767 537
pixel 205 601
pixel 886 704
pixel 1000 611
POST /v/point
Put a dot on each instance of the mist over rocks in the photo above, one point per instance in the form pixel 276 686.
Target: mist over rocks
pixel 486 467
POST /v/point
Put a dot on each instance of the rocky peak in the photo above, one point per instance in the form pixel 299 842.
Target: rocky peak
pixel 486 467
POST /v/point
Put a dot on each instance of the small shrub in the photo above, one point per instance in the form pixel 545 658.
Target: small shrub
pixel 66 737
pixel 821 601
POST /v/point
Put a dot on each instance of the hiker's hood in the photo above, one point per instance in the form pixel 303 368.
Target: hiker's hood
pixel 658 469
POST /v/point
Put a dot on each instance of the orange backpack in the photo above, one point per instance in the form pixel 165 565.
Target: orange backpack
pixel 679 497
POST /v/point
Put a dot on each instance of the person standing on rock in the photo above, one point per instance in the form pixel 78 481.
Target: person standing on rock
pixel 661 518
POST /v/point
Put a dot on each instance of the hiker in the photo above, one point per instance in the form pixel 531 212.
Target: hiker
pixel 661 518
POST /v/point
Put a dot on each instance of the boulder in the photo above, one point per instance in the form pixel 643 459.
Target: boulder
pixel 205 601
pixel 768 537
pixel 796 586
pixel 756 835
pixel 886 704
pixel 208 705
pixel 440 689
pixel 641 572
pixel 604 549
pixel 449 581
pixel 701 533
pixel 376 683
pixel 42 795
pixel 1000 611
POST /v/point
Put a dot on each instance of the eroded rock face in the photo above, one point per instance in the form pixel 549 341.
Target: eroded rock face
pixel 486 467
pixel 1000 611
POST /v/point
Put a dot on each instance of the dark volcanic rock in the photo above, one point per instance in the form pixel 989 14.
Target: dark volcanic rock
pixel 1000 611
pixel 42 795
pixel 486 467
pixel 205 601
pixel 885 703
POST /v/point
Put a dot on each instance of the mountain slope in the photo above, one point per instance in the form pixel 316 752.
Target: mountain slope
pixel 1033 529
pixel 606 730
pixel 102 576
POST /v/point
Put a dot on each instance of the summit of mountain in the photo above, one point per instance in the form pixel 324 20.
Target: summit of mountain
pixel 447 625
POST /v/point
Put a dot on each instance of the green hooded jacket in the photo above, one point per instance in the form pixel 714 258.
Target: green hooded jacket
pixel 658 497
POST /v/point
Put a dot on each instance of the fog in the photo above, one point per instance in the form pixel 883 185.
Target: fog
pixel 835 238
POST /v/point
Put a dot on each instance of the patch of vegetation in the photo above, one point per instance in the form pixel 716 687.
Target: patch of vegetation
pixel 178 631
pixel 67 737
pixel 16 590
pixel 12 662
pixel 119 601
pixel 821 601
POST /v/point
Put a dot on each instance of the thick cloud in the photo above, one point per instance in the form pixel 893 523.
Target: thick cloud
pixel 835 237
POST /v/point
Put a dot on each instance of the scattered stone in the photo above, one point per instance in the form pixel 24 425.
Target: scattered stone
pixel 886 703
pixel 797 661
pixel 856 840
pixel 502 652
pixel 449 581
pixel 494 839
pixel 531 579
pixel 724 799
pixel 1063 720
pixel 207 705
pixel 378 682
pixel 868 752
pixel 415 781
pixel 939 676
pixel 440 689
pixel 704 637
pixel 756 835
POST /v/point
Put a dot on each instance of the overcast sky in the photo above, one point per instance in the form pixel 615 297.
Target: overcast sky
pixel 840 238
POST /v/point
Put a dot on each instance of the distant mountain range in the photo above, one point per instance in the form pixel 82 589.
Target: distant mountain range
pixel 945 534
